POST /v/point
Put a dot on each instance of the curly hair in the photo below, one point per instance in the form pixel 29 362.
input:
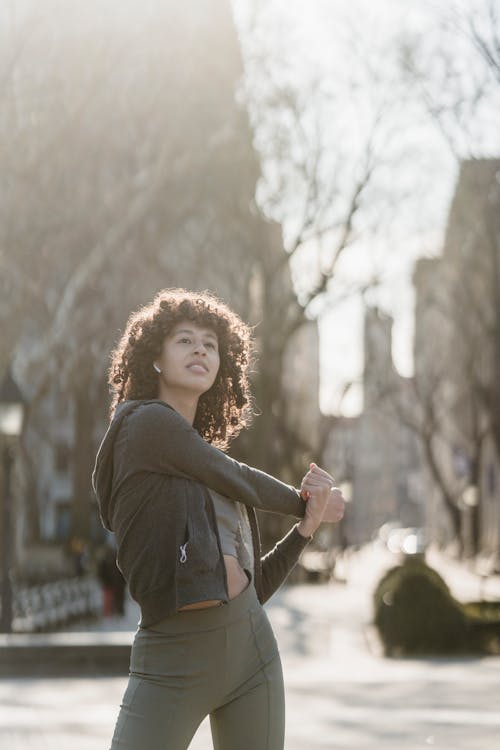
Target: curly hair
pixel 226 407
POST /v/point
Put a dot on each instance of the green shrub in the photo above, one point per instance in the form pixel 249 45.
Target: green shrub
pixel 484 623
pixel 484 611
pixel 416 614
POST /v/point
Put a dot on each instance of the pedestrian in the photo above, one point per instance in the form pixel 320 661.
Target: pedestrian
pixel 105 560
pixel 79 556
pixel 111 580
pixel 184 517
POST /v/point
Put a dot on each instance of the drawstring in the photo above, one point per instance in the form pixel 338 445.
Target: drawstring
pixel 183 556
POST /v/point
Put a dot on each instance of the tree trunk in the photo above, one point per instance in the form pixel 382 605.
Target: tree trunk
pixel 475 529
pixel 83 459
pixel 453 511
pixel 495 391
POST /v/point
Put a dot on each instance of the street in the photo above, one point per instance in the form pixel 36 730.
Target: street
pixel 341 693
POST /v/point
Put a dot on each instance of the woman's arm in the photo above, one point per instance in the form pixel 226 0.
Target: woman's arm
pixel 325 503
pixel 161 440
pixel 279 562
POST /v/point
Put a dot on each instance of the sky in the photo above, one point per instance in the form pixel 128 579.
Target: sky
pixel 352 48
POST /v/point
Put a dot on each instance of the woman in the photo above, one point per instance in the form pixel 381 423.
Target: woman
pixel 183 514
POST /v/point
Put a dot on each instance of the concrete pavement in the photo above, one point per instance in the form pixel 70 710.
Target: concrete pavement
pixel 340 693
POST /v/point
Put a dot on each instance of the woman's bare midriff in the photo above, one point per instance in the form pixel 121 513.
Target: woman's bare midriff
pixel 237 582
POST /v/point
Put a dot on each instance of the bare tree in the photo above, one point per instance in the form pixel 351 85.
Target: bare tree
pixel 320 190
pixel 121 185
pixel 455 70
pixel 453 401
pixel 133 169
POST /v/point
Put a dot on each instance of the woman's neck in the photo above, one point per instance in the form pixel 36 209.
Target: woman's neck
pixel 185 404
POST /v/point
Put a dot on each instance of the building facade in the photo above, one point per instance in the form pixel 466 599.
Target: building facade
pixel 377 453
pixel 457 365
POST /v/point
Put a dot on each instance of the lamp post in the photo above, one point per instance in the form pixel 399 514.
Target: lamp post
pixel 11 425
pixel 470 502
pixel 346 488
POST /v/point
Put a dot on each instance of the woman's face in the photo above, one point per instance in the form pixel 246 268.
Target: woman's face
pixel 189 359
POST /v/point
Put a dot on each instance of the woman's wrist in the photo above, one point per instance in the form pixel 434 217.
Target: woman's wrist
pixel 305 529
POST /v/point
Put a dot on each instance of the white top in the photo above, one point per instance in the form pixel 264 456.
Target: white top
pixel 234 529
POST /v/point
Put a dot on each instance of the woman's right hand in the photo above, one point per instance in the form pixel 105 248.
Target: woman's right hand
pixel 324 501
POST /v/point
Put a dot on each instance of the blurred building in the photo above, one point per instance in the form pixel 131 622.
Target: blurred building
pixel 153 186
pixel 457 365
pixel 376 453
pixel 425 450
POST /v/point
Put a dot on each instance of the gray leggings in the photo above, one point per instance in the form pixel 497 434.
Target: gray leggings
pixel 221 661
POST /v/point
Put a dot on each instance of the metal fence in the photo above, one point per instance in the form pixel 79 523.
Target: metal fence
pixel 52 605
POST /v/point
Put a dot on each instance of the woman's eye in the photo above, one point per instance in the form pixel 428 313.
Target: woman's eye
pixel 187 340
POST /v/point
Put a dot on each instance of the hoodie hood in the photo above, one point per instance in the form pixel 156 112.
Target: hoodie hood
pixel 102 475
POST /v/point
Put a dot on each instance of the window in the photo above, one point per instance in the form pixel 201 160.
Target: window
pixel 491 479
pixel 62 457
pixel 63 521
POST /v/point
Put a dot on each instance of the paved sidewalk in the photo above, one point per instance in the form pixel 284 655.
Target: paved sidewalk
pixel 340 695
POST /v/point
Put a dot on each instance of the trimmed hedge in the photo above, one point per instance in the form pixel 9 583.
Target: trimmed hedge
pixel 484 618
pixel 416 614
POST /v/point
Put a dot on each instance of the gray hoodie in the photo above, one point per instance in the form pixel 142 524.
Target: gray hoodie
pixel 151 477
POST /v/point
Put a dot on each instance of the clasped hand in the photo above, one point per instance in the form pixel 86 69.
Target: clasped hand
pixel 324 501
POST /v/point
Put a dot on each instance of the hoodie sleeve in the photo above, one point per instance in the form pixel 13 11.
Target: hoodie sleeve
pixel 161 440
pixel 279 562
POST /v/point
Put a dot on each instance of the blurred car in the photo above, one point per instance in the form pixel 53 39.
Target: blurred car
pixel 410 540
pixel 382 535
